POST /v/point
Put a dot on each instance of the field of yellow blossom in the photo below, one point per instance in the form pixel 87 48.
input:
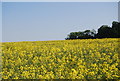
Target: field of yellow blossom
pixel 62 59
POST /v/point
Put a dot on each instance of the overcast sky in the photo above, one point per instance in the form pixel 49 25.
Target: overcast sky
pixel 30 21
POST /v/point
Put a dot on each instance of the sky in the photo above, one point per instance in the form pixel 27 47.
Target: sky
pixel 60 0
pixel 119 11
pixel 41 21
pixel 0 22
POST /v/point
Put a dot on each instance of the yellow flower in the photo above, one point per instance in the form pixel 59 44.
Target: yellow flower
pixel 63 59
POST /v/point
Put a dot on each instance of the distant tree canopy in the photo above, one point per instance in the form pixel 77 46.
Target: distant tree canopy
pixel 82 35
pixel 103 32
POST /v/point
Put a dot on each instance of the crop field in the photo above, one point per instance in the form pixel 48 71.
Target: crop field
pixel 62 59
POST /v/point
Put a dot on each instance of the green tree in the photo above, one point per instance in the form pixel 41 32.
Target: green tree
pixel 105 32
pixel 81 35
pixel 116 28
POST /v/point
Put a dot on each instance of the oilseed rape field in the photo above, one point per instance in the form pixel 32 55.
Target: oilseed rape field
pixel 61 59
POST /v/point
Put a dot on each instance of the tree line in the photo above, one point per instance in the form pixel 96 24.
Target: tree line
pixel 104 31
